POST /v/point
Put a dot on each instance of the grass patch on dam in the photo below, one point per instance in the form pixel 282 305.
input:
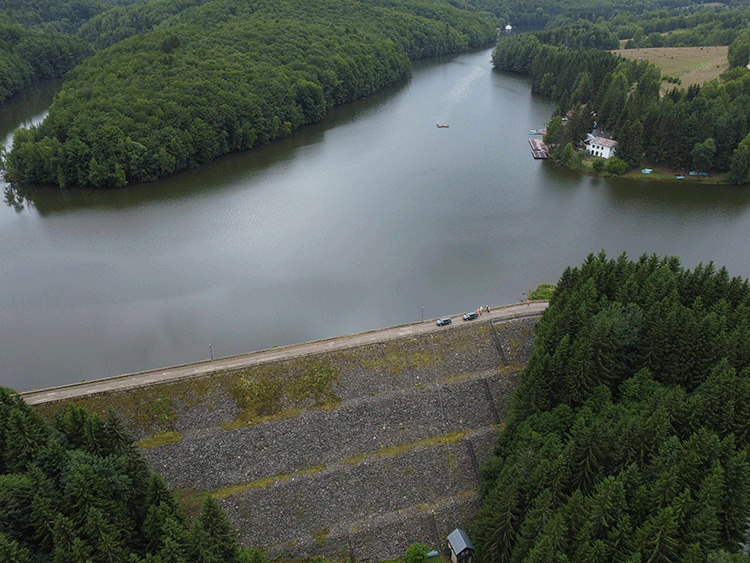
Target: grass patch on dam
pixel 194 498
pixel 283 389
pixel 161 439
pixel 261 392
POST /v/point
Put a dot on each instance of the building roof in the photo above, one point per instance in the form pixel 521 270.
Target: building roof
pixel 604 142
pixel 459 541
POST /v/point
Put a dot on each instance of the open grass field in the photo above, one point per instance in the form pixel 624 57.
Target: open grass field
pixel 692 65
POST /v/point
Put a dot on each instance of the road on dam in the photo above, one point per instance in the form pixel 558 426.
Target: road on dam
pixel 152 377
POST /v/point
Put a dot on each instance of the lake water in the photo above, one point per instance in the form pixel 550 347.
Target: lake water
pixel 372 218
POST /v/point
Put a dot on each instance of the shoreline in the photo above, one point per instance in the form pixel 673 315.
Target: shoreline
pixel 660 174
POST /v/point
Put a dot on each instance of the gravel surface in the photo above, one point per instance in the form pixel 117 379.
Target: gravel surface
pixel 368 477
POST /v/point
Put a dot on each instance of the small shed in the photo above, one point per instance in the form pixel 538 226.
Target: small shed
pixel 460 547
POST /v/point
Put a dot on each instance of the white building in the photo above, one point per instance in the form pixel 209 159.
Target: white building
pixel 599 146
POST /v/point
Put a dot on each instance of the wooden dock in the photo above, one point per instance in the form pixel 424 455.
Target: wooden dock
pixel 538 148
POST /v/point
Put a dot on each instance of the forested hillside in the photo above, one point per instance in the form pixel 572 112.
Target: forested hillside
pixel 77 491
pixel 628 437
pixel 701 127
pixel 226 76
pixel 527 14
pixel 38 39
pixel 30 55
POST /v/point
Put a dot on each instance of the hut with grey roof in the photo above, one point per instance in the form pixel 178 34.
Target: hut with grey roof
pixel 460 547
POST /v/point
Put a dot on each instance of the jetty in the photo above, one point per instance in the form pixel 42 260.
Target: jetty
pixel 538 148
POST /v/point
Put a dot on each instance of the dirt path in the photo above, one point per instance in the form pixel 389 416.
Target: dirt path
pixel 151 377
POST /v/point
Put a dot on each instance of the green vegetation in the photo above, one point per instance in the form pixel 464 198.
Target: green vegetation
pixel 416 553
pixel 30 55
pixel 38 39
pixel 78 491
pixel 150 409
pixel 223 76
pixel 262 394
pixel 556 13
pixel 161 439
pixel 699 128
pixel 268 390
pixel 629 434
pixel 544 292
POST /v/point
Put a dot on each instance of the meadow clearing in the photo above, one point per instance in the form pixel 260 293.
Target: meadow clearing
pixel 692 65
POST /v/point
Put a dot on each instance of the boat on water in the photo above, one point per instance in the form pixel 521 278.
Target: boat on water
pixel 442 125
pixel 538 131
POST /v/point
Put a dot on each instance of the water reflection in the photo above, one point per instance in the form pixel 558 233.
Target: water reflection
pixel 355 223
pixel 224 173
pixel 26 108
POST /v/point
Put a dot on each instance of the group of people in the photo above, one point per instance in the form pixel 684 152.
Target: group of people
pixel 481 310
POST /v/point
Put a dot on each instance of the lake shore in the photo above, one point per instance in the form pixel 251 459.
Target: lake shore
pixel 657 174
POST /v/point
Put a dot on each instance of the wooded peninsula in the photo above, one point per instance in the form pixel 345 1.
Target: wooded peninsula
pixel 157 87
pixel 175 85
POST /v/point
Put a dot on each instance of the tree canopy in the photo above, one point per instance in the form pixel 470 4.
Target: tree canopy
pixel 78 491
pixel 224 76
pixel 700 127
pixel 629 434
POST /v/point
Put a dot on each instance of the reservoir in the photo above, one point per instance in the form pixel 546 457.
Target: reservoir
pixel 372 218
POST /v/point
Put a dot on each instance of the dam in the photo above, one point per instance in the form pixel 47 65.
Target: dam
pixel 351 447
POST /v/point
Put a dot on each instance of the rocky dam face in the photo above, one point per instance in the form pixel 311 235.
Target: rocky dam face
pixel 355 452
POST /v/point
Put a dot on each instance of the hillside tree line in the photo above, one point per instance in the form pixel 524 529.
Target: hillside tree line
pixel 702 127
pixel 629 435
pixel 76 490
pixel 225 76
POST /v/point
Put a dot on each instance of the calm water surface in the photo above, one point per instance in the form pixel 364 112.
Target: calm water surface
pixel 372 218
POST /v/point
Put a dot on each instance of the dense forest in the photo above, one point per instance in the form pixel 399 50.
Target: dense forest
pixel 629 435
pixel 39 39
pixel 154 87
pixel 223 76
pixel 528 14
pixel 30 55
pixel 701 127
pixel 77 491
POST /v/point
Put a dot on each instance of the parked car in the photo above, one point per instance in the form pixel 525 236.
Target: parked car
pixel 470 316
pixel 444 321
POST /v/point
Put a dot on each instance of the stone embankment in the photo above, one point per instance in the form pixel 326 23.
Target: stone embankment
pixel 384 452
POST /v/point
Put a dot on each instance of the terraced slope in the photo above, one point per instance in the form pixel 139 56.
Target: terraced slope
pixel 386 452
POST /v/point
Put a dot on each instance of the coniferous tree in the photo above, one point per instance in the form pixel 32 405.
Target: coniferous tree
pixel 654 468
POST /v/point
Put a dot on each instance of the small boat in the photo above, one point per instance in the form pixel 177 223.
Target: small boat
pixel 442 125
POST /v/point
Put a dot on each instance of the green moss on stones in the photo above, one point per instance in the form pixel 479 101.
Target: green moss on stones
pixel 161 439
pixel 271 391
pixel 321 536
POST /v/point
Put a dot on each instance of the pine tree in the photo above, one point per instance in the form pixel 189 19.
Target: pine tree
pixel 175 542
pixel 216 533
pixel 658 538
pixel 16 492
pixel 84 490
pixel 11 552
pixel 630 143
pixel 739 171
pixel 25 435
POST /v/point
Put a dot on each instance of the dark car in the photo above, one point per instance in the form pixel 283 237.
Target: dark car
pixel 444 321
pixel 470 316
